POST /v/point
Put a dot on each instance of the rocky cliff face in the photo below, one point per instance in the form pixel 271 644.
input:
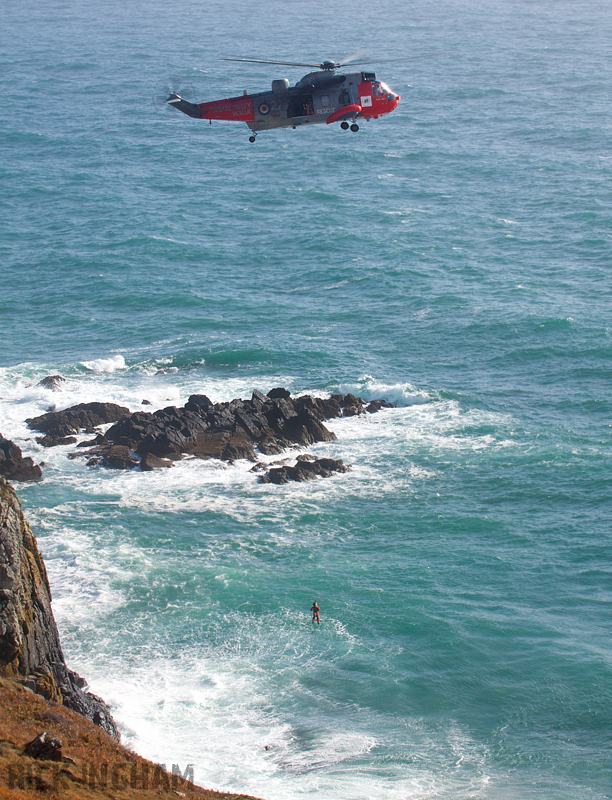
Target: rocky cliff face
pixel 30 650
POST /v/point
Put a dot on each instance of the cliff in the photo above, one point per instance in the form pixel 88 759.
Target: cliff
pixel 30 650
pixel 45 747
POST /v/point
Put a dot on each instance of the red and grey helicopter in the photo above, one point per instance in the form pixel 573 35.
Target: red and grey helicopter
pixel 322 96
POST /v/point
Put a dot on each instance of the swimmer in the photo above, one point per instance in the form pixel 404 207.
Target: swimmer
pixel 315 613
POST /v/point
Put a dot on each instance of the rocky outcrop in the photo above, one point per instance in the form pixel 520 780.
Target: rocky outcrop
pixel 53 382
pixel 13 466
pixel 227 431
pixel 307 468
pixel 30 650
pixel 61 426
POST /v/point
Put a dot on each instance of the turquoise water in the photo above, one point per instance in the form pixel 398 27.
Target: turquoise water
pixel 454 258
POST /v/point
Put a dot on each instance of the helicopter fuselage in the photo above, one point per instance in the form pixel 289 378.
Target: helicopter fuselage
pixel 324 96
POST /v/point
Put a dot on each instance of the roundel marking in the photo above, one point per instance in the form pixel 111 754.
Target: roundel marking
pixel 264 109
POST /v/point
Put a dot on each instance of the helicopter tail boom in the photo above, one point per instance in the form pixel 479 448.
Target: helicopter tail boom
pixel 232 109
pixel 191 109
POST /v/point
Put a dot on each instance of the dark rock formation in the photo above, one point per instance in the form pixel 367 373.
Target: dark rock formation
pixel 53 382
pixel 150 462
pixel 13 466
pixel 54 441
pixel 84 417
pixel 44 746
pixel 30 649
pixel 307 468
pixel 227 431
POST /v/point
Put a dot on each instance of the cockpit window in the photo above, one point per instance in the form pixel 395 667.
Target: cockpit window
pixel 378 90
pixel 385 88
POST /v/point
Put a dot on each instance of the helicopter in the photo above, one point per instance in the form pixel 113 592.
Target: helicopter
pixel 322 96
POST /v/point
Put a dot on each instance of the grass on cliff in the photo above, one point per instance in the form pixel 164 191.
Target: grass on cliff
pixel 96 767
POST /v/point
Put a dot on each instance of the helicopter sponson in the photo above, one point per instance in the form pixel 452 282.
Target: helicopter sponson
pixel 323 96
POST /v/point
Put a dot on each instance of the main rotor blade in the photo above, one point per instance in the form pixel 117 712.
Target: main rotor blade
pixel 344 62
pixel 407 58
pixel 281 63
pixel 348 59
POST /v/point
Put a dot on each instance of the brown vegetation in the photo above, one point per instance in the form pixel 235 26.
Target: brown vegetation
pixel 92 767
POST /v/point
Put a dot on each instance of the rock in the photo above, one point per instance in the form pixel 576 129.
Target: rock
pixel 53 382
pixel 54 441
pixel 307 468
pixel 333 465
pixel 199 404
pixel 210 445
pixel 221 418
pixel 99 440
pixel 30 648
pixel 118 457
pixel 150 462
pixel 280 411
pixel 301 473
pixel 351 406
pixel 258 399
pixel 331 408
pixel 252 421
pixel 44 747
pixel 279 393
pixel 166 432
pixel 13 466
pixel 239 446
pixel 377 405
pixel 277 475
pixel 85 416
pixel 271 446
pixel 306 428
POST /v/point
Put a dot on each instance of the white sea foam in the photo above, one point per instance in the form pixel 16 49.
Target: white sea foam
pixel 367 387
pixel 111 364
pixel 229 699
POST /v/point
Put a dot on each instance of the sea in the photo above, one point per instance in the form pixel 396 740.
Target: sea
pixel 453 258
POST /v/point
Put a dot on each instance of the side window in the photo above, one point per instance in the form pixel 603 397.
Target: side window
pixel 324 99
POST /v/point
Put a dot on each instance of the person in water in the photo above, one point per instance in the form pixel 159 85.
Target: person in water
pixel 315 613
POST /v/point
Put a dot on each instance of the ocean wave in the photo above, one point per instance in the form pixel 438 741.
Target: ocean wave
pixel 369 388
pixel 110 364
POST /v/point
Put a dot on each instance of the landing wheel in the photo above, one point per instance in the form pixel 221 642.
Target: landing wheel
pixel 251 139
pixel 354 127
pixel 344 125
